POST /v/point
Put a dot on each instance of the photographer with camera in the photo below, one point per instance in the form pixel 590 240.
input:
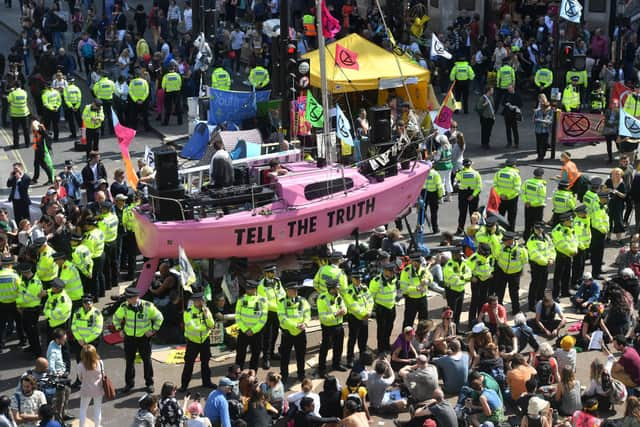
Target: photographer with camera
pixel 71 181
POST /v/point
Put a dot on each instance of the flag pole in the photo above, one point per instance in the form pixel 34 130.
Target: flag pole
pixel 323 79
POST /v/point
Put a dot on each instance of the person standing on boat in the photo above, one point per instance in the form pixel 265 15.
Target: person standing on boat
pixel 359 306
pixel 221 168
pixel 331 271
pixel 414 284
pixel 383 292
pixel 294 314
pixel 251 317
pixel 270 288
pixel 331 310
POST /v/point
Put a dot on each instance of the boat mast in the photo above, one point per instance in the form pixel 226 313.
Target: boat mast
pixel 323 78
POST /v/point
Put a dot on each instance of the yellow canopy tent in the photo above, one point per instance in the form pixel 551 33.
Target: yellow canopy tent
pixel 378 68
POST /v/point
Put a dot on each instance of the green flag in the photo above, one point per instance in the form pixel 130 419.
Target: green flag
pixel 313 113
pixel 47 158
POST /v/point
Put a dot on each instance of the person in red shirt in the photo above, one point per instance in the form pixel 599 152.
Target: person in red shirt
pixel 492 313
pixel 627 368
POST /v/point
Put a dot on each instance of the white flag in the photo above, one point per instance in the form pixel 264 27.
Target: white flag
pixel 571 10
pixel 629 125
pixel 343 127
pixel 437 48
pixel 149 157
pixel 186 271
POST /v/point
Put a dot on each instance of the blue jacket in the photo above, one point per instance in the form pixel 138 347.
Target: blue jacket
pixel 589 293
pixel 217 408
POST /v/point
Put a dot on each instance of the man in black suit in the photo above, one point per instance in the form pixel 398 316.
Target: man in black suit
pixel 19 194
pixel 92 173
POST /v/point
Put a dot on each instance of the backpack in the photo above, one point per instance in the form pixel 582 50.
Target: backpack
pixel 545 371
pixel 354 396
pixel 617 392
pixel 87 50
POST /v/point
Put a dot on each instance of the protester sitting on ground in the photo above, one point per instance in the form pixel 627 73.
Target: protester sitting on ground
pixel 47 415
pixel 629 258
pixel 147 412
pixel 522 403
pixel 355 389
pixel 587 415
pixel 453 368
pixel 598 386
pixel 196 418
pixel 549 318
pixel 507 341
pixel 593 321
pixel 444 333
pixel 524 333
pixel 492 364
pixel 567 392
pixel 306 416
pixel 480 337
pixel 378 381
pixel 627 367
pixel 629 282
pixel 546 365
pixel 423 339
pixel 402 351
pixel 566 354
pixel 518 376
pixel 306 390
pixel 588 293
pixel 274 390
pixel 492 313
pixel 632 412
pixel 353 415
pixel 26 401
pixel 618 313
pixel 539 413
pixel 436 408
pixel 330 398
pixel 420 379
pixel 169 410
pixel 488 406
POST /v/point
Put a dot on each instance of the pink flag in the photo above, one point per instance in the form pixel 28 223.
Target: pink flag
pixel 330 25
pixel 346 58
pixel 125 136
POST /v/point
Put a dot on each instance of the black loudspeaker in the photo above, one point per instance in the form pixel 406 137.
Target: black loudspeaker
pixel 166 160
pixel 379 125
pixel 167 204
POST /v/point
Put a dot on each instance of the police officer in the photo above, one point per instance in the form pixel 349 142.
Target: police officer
pixel 140 320
pixel 81 259
pixel 414 284
pixel 563 201
pixel 599 229
pixel 481 265
pixel 382 289
pixel 270 288
pixel 138 104
pixel 28 304
pixel 103 89
pixel 597 98
pixel 172 85
pixel 251 317
pixel 57 308
pixel 259 77
pixel 457 276
pixel 94 240
pixel 543 79
pixel 46 267
pixel 69 274
pixel 93 118
pixel 86 326
pixel 462 74
pixel 432 193
pixel 198 324
pixel 534 196
pixel 507 184
pixel 566 245
pixel 359 305
pixel 505 77
pixel 631 104
pixel 51 102
pixel 491 234
pixel 331 310
pixel 129 245
pixel 591 199
pixel 582 82
pixel 571 95
pixel 542 255
pixel 469 188
pixel 19 113
pixel 294 315
pixel 9 285
pixel 72 102
pixel 582 231
pixel 108 224
pixel 330 271
pixel 509 264
pixel 220 79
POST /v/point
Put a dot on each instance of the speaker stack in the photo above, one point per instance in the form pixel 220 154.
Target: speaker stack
pixel 167 185
pixel 380 125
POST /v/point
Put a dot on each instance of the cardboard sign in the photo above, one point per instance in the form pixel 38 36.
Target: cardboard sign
pixel 572 128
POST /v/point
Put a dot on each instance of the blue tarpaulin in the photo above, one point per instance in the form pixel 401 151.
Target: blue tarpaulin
pixel 197 145
pixel 225 105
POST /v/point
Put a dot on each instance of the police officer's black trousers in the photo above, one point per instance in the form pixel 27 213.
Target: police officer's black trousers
pixel 141 345
pixel 88 285
pixel 510 208
pixel 130 251
pixel 503 279
pixel 539 278
pixel 610 140
pixel 270 335
pixel 20 123
pixel 8 317
pixel 51 120
pixel 358 333
pixel 98 276
pixel 454 301
pixel 486 125
pixel 136 111
pixel 461 92
pixel 532 214
pixel 332 337
pixel 172 103
pixel 577 266
pixel 432 201
pixel 299 343
pixel 30 327
pixel 479 294
pixel 74 120
pixel 561 276
pixel 513 137
pixel 76 348
pixel 465 205
pixel 192 351
pixel 597 252
pixel 542 141
pixel 93 140
pixel 108 119
pixel 255 342
pixel 111 272
pixel 385 317
pixel 413 306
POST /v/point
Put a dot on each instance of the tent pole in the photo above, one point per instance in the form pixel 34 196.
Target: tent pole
pixel 323 78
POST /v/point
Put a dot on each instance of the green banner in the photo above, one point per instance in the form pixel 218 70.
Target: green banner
pixel 313 113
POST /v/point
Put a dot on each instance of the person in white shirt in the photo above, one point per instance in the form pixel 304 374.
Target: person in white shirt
pixel 187 14
pixel 26 402
pixel 237 39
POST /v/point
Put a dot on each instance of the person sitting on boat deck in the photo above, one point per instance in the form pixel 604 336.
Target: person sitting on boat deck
pixel 221 168
pixel 275 170
pixel 164 292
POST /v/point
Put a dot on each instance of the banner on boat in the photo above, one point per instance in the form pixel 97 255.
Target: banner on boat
pixel 579 127
pixel 229 105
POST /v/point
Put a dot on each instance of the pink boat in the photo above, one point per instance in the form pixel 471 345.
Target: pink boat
pixel 311 207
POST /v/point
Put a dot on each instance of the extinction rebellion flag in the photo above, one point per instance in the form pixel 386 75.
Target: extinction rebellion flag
pixel 314 113
pixel 629 125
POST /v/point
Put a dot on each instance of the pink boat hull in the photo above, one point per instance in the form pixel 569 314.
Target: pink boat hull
pixel 286 230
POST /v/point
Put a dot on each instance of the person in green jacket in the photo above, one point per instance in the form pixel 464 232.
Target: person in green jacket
pixel 359 305
pixel 566 244
pixel 294 315
pixel 331 310
pixel 251 316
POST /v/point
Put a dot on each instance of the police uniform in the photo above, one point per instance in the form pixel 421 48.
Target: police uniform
pixel 382 289
pixel 509 264
pixel 139 103
pixel 331 311
pixel 481 265
pixel 469 188
pixel 534 196
pixel 57 308
pixel 541 254
pixel 220 79
pixel 566 245
pixel 198 323
pixel 86 326
pixel 19 112
pixel 491 234
pixel 631 104
pixel 72 102
pixel 104 89
pixel 28 302
pixel 582 231
pixel 563 201
pixel 462 73
pixel 507 184
pixel 457 276
pixel 543 79
pixel 9 286
pixel 598 100
pixel 51 103
pixel 270 288
pixel 259 77
pixel 69 274
pixel 172 85
pixel 432 192
pixel 505 76
pixel 94 240
pixel 571 96
pixel 81 259
pixel 46 267
pixel 108 224
pixel 599 229
pixel 292 313
pixel 137 319
pixel 414 284
pixel 93 118
pixel 359 305
pixel 251 317
pixel 129 244
pixel 330 271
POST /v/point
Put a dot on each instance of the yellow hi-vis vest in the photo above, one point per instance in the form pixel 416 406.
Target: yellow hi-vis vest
pixel 197 324
pixel 87 325
pixel 292 312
